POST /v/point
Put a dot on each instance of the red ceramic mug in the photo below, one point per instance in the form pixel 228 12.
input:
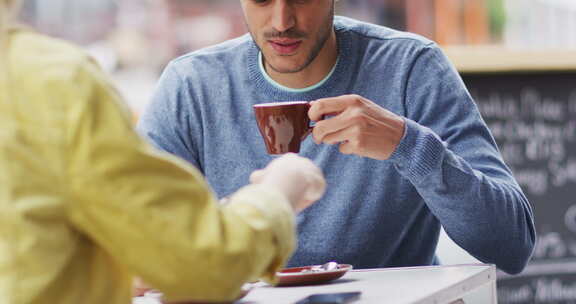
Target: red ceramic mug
pixel 283 125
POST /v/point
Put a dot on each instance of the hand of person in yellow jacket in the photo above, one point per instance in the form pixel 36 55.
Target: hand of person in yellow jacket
pixel 297 177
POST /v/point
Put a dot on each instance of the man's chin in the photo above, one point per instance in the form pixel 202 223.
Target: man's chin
pixel 286 69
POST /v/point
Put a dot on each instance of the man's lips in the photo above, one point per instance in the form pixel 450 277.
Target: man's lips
pixel 285 46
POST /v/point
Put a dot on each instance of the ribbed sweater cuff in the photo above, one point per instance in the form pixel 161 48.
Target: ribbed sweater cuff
pixel 419 153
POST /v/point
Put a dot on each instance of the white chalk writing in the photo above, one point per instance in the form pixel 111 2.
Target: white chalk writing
pixel 543 290
pixel 536 130
pixel 537 138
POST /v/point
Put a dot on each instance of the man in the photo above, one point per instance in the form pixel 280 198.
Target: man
pixel 404 148
pixel 85 204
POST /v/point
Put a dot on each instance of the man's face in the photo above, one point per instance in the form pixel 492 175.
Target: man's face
pixel 289 33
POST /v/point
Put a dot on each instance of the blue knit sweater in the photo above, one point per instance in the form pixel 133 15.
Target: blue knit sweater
pixel 446 171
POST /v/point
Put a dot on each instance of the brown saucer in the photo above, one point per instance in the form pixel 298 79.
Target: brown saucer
pixel 300 275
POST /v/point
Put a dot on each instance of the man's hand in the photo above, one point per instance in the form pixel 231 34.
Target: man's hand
pixel 360 126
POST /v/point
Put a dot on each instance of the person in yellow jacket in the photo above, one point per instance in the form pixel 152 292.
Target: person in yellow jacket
pixel 85 204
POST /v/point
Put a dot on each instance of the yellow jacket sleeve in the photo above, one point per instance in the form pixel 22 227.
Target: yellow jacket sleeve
pixel 156 215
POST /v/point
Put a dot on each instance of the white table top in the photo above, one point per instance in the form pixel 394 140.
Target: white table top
pixel 414 285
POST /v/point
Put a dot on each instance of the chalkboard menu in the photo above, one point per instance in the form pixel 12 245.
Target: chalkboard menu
pixel 533 118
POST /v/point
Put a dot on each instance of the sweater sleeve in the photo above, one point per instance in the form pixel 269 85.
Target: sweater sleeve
pixel 166 121
pixel 156 216
pixel 451 158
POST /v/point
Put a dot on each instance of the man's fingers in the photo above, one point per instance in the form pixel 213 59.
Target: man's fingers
pixel 346 148
pixel 352 118
pixel 340 136
pixel 328 106
pixel 329 126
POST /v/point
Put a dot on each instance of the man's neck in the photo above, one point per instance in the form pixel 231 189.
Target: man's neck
pixel 317 70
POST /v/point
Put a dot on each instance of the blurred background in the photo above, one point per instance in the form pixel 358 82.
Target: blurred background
pixel 134 39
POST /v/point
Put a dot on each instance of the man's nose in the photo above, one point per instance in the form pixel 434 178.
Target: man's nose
pixel 283 17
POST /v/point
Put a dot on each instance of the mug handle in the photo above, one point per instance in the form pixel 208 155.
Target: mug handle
pixel 311 124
